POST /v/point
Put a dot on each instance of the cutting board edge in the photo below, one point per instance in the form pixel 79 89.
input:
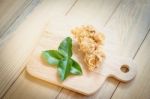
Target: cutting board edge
pixel 87 93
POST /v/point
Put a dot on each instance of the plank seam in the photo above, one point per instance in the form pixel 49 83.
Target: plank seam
pixel 59 93
pixel 133 58
pixel 16 21
pixel 71 7
pixel 66 15
pixel 21 68
pixel 112 13
pixel 12 83
pixel 115 89
pixel 104 26
pixel 141 43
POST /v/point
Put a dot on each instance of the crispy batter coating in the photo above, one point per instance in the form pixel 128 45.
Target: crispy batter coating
pixel 90 42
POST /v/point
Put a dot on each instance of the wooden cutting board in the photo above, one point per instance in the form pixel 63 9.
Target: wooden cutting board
pixel 89 82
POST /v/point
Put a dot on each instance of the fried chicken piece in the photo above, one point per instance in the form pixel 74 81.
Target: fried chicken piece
pixel 90 42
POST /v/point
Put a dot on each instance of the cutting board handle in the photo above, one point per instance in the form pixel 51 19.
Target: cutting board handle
pixel 123 69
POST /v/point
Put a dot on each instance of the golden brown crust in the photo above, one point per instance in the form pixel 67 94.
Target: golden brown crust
pixel 90 42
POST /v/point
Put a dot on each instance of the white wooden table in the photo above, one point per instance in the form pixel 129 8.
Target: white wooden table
pixel 20 32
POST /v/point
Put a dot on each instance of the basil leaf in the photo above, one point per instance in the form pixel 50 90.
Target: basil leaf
pixel 52 56
pixel 65 47
pixel 64 67
pixel 75 68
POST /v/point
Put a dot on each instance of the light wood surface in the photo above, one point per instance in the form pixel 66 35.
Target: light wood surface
pixel 128 30
pixel 127 19
pixel 110 68
pixel 11 58
pixel 140 87
pixel 9 13
pixel 15 51
pixel 12 13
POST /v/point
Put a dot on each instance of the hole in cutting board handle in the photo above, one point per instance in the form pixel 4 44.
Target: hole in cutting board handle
pixel 124 68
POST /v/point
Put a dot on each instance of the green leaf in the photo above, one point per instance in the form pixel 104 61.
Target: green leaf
pixel 65 47
pixel 75 68
pixel 52 56
pixel 62 58
pixel 64 67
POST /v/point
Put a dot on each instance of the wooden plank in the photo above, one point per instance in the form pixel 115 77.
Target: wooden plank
pixel 110 86
pixel 140 87
pixel 15 51
pixel 12 14
pixel 127 33
pixel 130 24
pixel 95 11
pixel 9 11
pixel 98 13
pixel 28 87
pixel 125 24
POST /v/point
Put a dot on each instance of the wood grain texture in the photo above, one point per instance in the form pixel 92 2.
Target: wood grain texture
pixel 28 87
pixel 141 57
pixel 22 43
pixel 129 22
pixel 140 87
pixel 129 25
pixel 8 50
pixel 110 68
pixel 10 10
pixel 13 12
